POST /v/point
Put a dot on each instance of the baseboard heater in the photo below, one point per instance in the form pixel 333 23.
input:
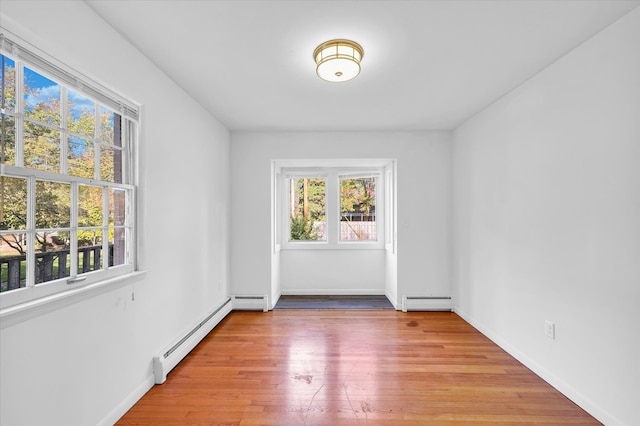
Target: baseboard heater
pixel 174 353
pixel 433 303
pixel 251 303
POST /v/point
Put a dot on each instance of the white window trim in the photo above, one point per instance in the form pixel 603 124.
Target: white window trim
pixel 33 298
pixel 332 175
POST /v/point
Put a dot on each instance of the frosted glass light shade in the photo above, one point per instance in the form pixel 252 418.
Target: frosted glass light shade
pixel 338 60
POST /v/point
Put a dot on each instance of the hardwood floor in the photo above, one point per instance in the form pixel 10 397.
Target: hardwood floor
pixel 334 367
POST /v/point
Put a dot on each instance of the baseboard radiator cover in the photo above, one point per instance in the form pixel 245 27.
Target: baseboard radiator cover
pixel 428 303
pixel 251 303
pixel 177 350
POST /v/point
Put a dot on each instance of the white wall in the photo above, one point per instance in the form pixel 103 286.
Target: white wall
pixel 333 271
pixel 423 193
pixel 547 222
pixel 86 363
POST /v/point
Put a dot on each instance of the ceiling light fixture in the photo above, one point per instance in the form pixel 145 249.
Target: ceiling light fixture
pixel 338 60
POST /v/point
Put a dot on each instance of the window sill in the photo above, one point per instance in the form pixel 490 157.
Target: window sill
pixel 25 311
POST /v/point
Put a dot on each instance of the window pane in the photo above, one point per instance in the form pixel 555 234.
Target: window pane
pixel 111 164
pixel 89 206
pixel 52 207
pixel 307 209
pixel 41 98
pixel 8 140
pixel 110 127
pixel 13 203
pixel 41 148
pixel 13 261
pixel 81 114
pixel 7 84
pixel 117 207
pixel 89 250
pixel 358 209
pixel 80 156
pixel 111 155
pixel 54 262
pixel 13 246
pixel 117 246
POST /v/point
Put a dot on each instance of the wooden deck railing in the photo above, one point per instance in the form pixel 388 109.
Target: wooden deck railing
pixel 50 265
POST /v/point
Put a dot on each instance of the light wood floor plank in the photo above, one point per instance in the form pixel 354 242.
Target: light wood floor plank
pixel 334 367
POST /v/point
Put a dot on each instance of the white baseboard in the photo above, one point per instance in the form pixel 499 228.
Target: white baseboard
pixel 179 348
pixel 251 303
pixel 561 386
pixel 416 303
pixel 126 404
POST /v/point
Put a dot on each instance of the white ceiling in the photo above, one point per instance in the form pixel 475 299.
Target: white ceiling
pixel 427 64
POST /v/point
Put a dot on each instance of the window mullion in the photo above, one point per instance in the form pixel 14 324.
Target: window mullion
pixel 31 233
pixel 332 208
pixel 73 244
pixel 105 227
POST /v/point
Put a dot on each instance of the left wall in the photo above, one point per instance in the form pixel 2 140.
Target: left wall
pixel 88 362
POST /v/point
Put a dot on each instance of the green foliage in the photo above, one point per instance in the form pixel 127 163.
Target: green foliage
pixel 357 195
pixel 13 210
pixel 302 229
pixel 307 207
pixel 316 198
pixel 9 86
pixel 8 149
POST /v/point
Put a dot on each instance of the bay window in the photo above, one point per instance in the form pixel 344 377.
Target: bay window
pixel 331 207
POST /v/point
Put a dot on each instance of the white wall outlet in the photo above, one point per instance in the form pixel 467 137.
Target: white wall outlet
pixel 550 329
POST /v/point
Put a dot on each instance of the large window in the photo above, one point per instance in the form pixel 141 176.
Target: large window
pixel 332 207
pixel 358 208
pixel 307 203
pixel 66 181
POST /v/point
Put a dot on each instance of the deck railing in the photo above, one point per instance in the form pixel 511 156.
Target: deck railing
pixel 358 217
pixel 50 265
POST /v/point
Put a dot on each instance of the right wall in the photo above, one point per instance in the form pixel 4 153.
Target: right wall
pixel 547 222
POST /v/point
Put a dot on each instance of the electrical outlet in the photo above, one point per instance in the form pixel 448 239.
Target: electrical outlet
pixel 550 329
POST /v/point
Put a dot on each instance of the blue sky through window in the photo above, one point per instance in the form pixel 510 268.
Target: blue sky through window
pixel 43 90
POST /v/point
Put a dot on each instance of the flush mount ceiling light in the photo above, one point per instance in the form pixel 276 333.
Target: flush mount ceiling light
pixel 338 60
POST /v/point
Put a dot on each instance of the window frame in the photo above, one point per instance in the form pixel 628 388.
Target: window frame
pixel 332 177
pixel 33 295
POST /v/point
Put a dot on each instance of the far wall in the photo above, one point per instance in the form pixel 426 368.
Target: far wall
pixel 424 210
